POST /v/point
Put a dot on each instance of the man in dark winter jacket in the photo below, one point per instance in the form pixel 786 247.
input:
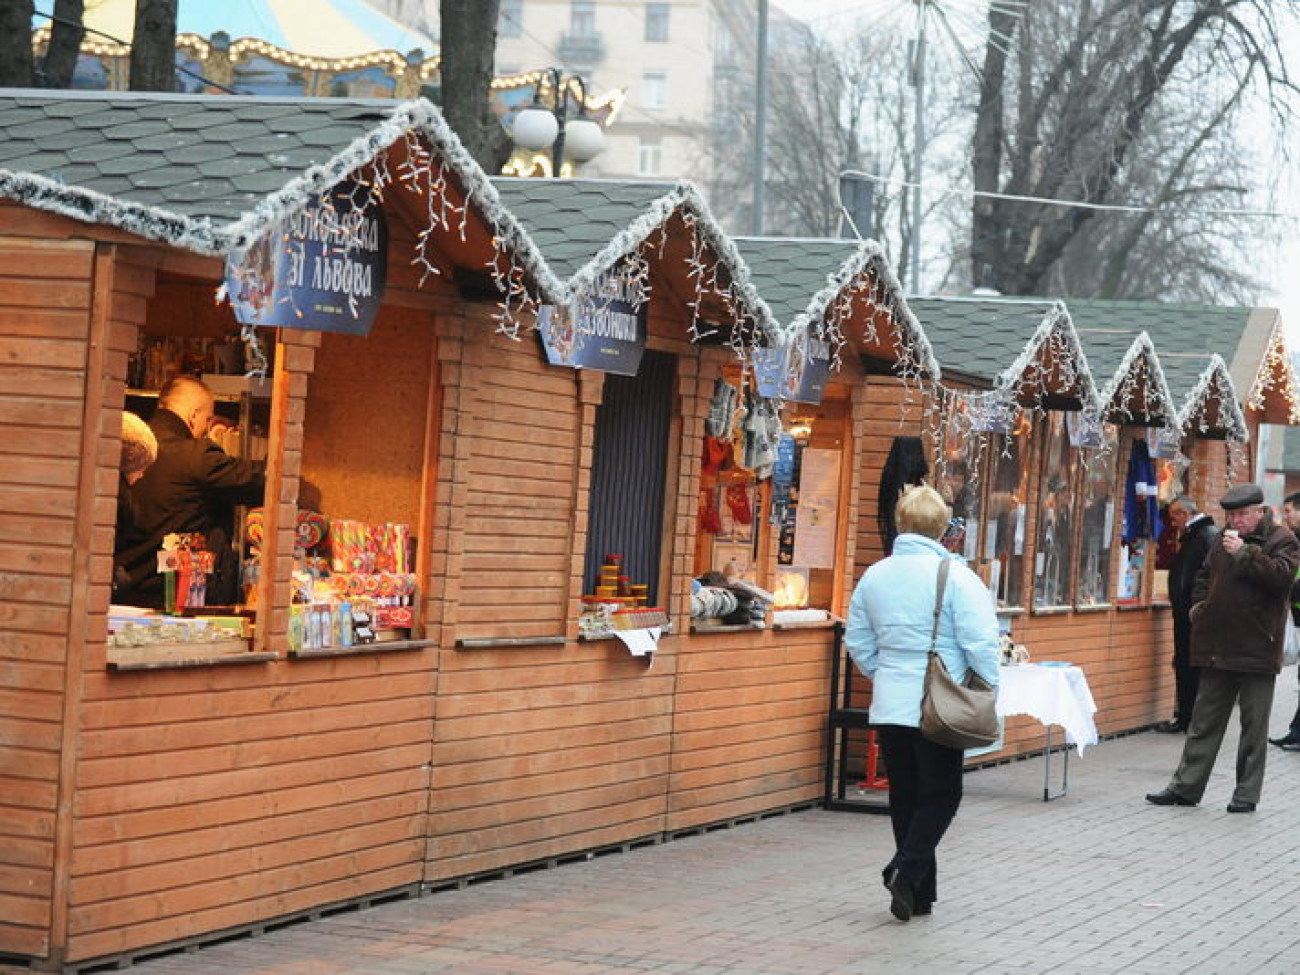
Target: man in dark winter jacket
pixel 1290 742
pixel 1197 537
pixel 1239 607
pixel 193 486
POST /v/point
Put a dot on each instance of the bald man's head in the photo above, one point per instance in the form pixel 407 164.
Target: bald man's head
pixel 189 399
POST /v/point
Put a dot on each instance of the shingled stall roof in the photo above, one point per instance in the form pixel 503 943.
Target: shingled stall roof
pixel 1250 342
pixel 1133 386
pixel 839 290
pixel 210 173
pixel 659 237
pixel 1025 346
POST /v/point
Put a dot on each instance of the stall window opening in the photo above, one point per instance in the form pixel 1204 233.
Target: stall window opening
pixel 1140 523
pixel 179 587
pixel 1005 512
pixel 1097 518
pixel 1054 551
pixel 628 476
pixel 363 522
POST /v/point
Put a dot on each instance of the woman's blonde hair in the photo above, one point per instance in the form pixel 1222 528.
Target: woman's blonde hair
pixel 139 445
pixel 922 510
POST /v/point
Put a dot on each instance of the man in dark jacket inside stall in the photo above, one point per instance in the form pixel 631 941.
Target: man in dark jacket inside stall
pixel 1239 606
pixel 192 487
pixel 1198 536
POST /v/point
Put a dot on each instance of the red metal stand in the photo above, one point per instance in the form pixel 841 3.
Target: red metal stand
pixel 874 779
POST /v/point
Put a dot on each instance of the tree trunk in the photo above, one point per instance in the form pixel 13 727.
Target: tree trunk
pixel 65 41
pixel 153 46
pixel 16 66
pixel 986 250
pixel 469 39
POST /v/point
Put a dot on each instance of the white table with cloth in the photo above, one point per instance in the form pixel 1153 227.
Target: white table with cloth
pixel 1056 693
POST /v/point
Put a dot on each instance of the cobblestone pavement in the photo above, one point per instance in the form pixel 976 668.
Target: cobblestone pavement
pixel 1096 882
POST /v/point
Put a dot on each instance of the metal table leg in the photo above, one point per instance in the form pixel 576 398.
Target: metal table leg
pixel 1048 795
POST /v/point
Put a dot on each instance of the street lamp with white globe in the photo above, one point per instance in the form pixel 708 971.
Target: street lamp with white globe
pixel 540 126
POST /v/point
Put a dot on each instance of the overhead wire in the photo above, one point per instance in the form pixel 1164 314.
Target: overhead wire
pixel 1078 204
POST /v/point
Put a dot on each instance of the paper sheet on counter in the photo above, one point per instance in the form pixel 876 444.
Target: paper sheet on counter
pixel 641 643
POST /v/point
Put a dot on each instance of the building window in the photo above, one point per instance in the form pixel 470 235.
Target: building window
pixel 654 90
pixel 582 18
pixel 656 21
pixel 650 156
pixel 510 18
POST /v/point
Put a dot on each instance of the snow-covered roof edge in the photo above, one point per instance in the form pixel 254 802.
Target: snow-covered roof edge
pixel 416 115
pixel 202 236
pixel 1212 376
pixel 1057 321
pixel 1142 348
pixel 682 195
pixel 197 234
pixel 869 257
pixel 1275 357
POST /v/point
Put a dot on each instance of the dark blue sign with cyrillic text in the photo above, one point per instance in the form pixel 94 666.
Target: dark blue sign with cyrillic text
pixel 322 268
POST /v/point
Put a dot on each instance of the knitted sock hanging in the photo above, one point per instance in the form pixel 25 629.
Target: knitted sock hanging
pixel 710 520
pixel 738 502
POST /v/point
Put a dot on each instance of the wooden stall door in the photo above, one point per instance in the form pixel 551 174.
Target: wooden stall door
pixel 45 298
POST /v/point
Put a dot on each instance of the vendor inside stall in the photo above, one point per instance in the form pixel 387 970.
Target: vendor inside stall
pixel 191 490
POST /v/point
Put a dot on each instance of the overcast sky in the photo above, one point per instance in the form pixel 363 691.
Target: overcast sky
pixel 824 15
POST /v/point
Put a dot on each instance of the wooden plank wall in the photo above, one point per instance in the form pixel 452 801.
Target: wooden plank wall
pixel 749 708
pixel 539 750
pixel 45 299
pixel 218 796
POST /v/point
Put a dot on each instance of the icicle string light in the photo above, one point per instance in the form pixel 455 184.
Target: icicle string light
pixel 1214 395
pixel 1275 372
pixel 1138 389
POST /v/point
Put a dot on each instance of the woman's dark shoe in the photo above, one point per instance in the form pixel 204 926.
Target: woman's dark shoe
pixel 1290 738
pixel 902 905
pixel 1167 797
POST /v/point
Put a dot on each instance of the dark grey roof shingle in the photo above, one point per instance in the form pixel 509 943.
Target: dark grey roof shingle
pixel 787 273
pixel 1185 336
pixel 136 135
pixel 573 220
pixel 980 338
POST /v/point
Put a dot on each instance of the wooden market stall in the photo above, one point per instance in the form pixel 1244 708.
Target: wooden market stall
pixel 1023 449
pixel 166 787
pixel 866 363
pixel 1230 369
pixel 568 473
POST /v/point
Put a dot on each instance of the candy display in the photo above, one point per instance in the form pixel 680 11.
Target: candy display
pixel 618 603
pixel 184 564
pixel 353 582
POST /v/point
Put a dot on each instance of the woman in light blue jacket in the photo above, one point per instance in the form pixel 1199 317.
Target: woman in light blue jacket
pixel 890 619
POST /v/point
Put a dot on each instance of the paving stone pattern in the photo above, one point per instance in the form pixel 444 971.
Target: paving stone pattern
pixel 1096 882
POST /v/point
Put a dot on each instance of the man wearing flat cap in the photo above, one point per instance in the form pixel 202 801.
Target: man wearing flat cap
pixel 1239 606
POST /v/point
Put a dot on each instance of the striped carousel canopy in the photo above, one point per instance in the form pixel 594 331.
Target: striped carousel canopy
pixel 314 28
